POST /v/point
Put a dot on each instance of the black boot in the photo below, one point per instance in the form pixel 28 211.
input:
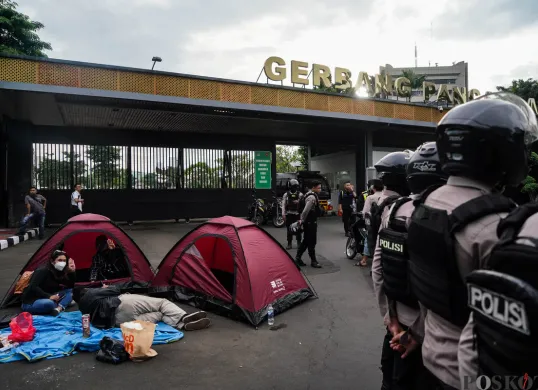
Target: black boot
pixel 298 261
pixel 314 263
pixel 289 245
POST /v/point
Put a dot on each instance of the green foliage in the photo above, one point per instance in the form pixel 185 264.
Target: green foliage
pixel 106 172
pixel 530 184
pixel 333 89
pixel 415 80
pixel 201 175
pixel 18 33
pixel 525 89
pixel 286 156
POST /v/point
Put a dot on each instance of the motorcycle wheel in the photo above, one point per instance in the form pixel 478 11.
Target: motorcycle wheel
pixel 351 250
pixel 278 220
pixel 258 220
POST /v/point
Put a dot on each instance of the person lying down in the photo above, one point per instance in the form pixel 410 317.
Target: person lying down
pixel 108 307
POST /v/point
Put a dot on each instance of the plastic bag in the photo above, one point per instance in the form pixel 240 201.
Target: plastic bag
pixel 112 351
pixel 138 338
pixel 22 328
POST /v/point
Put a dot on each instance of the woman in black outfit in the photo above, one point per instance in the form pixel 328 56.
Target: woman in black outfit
pixel 50 289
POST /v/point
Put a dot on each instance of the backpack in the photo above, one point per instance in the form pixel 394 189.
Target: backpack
pixel 375 218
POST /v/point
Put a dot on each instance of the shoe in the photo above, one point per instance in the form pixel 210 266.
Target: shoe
pixel 300 262
pixel 187 318
pixel 202 323
pixel 288 246
pixel 71 304
pixel 315 264
pixel 57 311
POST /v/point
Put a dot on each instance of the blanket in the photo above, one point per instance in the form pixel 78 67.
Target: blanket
pixel 61 336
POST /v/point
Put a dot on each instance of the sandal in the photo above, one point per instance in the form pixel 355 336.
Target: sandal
pixel 361 264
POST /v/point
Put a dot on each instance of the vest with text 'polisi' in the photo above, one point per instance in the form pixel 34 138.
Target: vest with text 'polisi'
pixel 434 275
pixel 504 300
pixel 394 258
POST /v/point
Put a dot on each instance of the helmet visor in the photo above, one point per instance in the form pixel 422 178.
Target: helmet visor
pixel 531 125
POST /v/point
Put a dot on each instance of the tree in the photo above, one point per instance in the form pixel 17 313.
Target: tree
pixel 525 89
pixel 18 32
pixel 530 184
pixel 286 156
pixel 415 80
pixel 53 173
pixel 106 172
pixel 201 175
pixel 333 89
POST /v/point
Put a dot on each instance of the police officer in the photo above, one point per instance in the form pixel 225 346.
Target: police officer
pixel 482 146
pixel 310 211
pixel 391 173
pixel 290 210
pixel 401 371
pixel 347 202
pixel 504 301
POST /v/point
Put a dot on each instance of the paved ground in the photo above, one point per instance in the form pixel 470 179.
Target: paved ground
pixel 333 342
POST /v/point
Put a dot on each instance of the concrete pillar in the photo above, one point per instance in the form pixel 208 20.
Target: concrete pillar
pixel 361 160
pixel 369 148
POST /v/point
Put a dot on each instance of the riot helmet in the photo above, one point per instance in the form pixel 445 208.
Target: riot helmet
pixel 488 139
pixel 391 170
pixel 424 168
pixel 294 185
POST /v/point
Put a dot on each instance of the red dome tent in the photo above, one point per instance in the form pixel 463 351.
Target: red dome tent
pixel 77 237
pixel 230 263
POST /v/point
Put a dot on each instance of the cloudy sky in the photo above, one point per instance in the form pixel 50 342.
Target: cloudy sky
pixel 232 38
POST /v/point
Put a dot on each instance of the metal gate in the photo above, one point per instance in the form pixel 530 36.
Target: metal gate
pixel 140 183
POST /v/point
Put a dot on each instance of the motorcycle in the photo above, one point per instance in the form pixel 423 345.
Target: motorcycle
pixel 357 235
pixel 275 212
pixel 260 212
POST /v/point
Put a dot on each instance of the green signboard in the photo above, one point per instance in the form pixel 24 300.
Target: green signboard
pixel 262 162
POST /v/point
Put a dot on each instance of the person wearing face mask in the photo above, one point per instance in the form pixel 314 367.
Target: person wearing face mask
pixel 50 289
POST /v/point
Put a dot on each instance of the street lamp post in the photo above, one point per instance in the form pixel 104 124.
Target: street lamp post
pixel 156 59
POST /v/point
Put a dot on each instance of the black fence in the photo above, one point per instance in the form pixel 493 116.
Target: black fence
pixel 96 167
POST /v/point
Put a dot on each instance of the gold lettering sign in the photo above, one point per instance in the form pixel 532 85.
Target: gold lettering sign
pixel 383 85
pixel 321 74
pixel 378 86
pixel 460 95
pixel 403 87
pixel 280 73
pixel 428 90
pixel 532 103
pixel 343 78
pixel 298 69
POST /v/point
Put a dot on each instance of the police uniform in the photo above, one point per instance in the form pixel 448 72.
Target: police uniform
pixel 500 338
pixel 309 219
pixel 290 208
pixel 348 201
pixel 453 229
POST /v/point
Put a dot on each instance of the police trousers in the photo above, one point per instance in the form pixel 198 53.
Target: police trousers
pixel 402 374
pixel 291 219
pixel 309 240
pixel 346 218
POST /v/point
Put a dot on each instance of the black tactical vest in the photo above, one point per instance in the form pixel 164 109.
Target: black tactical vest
pixel 292 203
pixel 504 301
pixel 434 275
pixel 315 211
pixel 394 258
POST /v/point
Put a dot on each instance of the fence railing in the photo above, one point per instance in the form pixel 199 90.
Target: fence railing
pixel 62 166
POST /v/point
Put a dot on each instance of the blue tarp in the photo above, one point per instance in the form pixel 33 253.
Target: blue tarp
pixel 61 336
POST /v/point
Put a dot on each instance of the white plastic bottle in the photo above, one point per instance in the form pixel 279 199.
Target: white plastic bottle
pixel 270 315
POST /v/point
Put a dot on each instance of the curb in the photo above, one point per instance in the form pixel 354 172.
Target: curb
pixel 14 240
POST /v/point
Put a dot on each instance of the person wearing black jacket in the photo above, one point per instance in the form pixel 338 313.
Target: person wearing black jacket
pixel 50 288
pixel 109 307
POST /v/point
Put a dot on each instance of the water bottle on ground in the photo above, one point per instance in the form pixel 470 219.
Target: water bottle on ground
pixel 270 315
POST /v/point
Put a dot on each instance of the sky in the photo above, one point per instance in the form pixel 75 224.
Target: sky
pixel 232 38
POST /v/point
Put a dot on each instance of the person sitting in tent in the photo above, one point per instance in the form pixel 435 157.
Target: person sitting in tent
pixel 109 261
pixel 108 307
pixel 49 290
